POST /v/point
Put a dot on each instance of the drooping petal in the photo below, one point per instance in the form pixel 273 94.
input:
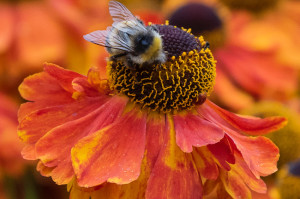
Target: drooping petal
pixel 49 149
pixel 250 125
pixel 234 185
pixel 174 174
pixel 242 169
pixel 192 130
pixel 113 154
pixel 223 152
pixel 260 154
pixel 205 163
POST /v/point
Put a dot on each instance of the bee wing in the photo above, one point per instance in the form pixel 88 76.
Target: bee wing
pixel 119 12
pixel 98 37
pixel 124 20
pixel 109 39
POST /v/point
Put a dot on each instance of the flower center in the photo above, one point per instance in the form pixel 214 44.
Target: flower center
pixel 254 6
pixel 180 83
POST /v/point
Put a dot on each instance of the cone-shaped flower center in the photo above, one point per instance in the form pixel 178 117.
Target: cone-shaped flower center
pixel 254 6
pixel 185 79
pixel 202 19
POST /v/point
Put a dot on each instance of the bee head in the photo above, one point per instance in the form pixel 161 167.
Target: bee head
pixel 148 47
pixel 142 42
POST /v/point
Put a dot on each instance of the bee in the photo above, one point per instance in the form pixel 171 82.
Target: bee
pixel 128 39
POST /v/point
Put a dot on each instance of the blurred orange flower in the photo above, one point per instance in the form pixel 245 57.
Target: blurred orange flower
pixel 276 29
pixel 11 161
pixel 31 36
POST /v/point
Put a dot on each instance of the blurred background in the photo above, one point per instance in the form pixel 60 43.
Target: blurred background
pixel 256 44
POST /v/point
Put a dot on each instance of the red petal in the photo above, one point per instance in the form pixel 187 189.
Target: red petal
pixel 223 152
pixel 260 154
pixel 192 130
pixel 174 175
pixel 113 154
pixel 49 148
pixel 205 163
pixel 250 125
pixel 154 137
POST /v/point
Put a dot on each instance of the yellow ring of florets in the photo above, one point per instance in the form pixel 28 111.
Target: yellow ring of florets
pixel 173 86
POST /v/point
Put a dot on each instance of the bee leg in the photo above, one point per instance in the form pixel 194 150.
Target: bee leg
pixel 115 57
pixel 130 64
pixel 206 45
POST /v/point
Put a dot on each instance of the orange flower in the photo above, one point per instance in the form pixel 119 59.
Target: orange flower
pixel 145 132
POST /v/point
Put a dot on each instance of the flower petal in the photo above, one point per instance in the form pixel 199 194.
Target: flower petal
pixel 38 123
pixel 192 130
pixel 49 148
pixel 63 76
pixel 113 154
pixel 174 174
pixel 223 152
pixel 250 125
pixel 234 185
pixel 260 154
pixel 46 89
pixel 242 169
pixel 55 83
pixel 205 163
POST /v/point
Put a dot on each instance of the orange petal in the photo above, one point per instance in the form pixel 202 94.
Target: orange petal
pixel 113 154
pixel 43 87
pixel 242 169
pixel 63 76
pixel 250 125
pixel 59 174
pixel 234 185
pixel 260 154
pixel 174 174
pixel 205 163
pixel 49 148
pixel 223 152
pixel 49 88
pixel 38 123
pixel 192 130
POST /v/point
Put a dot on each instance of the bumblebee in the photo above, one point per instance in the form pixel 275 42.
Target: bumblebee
pixel 128 39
